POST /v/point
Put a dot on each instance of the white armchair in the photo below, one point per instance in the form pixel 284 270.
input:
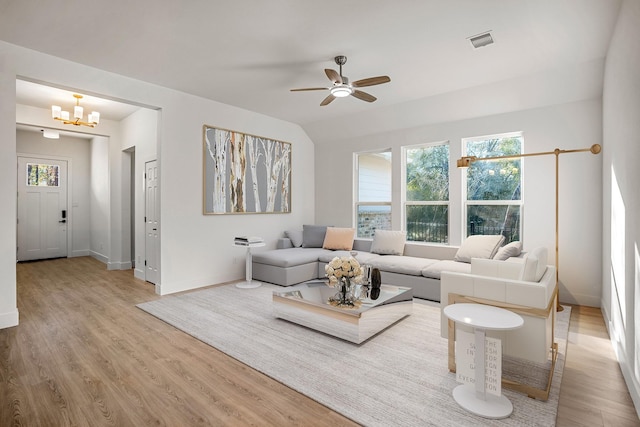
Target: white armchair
pixel 526 286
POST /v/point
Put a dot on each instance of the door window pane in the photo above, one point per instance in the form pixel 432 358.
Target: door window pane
pixel 43 175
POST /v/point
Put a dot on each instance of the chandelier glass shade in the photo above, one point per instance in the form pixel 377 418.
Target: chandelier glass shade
pixel 78 113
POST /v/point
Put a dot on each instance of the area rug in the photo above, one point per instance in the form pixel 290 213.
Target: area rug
pixel 397 378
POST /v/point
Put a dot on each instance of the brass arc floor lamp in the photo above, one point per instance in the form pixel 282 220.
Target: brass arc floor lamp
pixel 465 162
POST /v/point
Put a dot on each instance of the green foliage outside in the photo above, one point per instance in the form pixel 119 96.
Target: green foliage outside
pixel 494 180
pixel 498 180
pixel 42 175
pixel 427 181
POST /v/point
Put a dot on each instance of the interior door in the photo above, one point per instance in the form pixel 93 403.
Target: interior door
pixel 42 208
pixel 151 222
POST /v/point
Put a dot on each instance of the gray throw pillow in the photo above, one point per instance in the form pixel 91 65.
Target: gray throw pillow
pixel 295 236
pixel 313 235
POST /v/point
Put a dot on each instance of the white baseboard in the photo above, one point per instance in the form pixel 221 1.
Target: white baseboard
pixel 139 274
pixel 102 258
pixel 10 319
pixel 627 369
pixel 119 265
pixel 85 252
pixel 580 299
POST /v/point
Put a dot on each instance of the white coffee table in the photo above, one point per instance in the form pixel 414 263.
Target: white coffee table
pixel 249 282
pixel 482 318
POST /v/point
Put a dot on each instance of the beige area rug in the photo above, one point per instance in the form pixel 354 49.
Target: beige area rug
pixel 397 378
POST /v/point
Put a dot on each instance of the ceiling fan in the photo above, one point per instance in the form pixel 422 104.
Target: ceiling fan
pixel 341 86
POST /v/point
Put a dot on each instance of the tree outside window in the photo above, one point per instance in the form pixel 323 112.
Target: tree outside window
pixel 427 193
pixel 494 188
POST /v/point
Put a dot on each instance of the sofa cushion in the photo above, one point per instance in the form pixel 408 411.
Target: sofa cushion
pixel 338 238
pixel 535 264
pixel 313 235
pixel 362 257
pixel 295 236
pixel 290 257
pixel 435 270
pixel 479 246
pixel 402 264
pixel 513 249
pixel 388 242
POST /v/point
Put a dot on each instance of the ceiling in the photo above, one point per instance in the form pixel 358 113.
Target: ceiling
pixel 250 53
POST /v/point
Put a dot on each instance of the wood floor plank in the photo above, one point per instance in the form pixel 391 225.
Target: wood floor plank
pixel 84 355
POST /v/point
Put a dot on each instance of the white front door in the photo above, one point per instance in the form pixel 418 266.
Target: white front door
pixel 42 208
pixel 151 221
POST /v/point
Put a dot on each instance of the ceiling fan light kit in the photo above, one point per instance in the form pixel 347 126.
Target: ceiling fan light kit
pixel 342 88
pixel 78 113
pixel 340 91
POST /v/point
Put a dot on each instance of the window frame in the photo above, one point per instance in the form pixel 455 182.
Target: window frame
pixel 356 188
pixel 466 202
pixel 405 203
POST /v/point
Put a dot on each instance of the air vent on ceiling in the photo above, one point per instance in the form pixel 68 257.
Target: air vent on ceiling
pixel 481 40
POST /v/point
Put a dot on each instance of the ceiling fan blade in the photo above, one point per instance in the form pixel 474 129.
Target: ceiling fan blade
pixel 371 81
pixel 333 75
pixel 309 88
pixel 363 96
pixel 327 100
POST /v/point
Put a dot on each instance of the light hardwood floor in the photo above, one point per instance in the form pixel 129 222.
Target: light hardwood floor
pixel 84 355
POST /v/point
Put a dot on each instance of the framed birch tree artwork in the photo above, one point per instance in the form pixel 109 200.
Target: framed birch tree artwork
pixel 245 173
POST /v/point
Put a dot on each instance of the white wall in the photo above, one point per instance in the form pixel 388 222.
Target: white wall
pixel 99 199
pixel 76 150
pixel 565 126
pixel 195 249
pixel 621 209
pixel 8 303
pixel 140 131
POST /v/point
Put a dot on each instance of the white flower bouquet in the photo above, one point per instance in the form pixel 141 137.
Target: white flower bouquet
pixel 343 267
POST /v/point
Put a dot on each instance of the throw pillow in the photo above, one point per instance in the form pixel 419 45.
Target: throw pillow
pixel 388 242
pixel 313 235
pixel 535 265
pixel 339 238
pixel 507 251
pixel 479 246
pixel 295 236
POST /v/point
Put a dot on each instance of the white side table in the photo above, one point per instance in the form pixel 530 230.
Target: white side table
pixel 482 318
pixel 249 283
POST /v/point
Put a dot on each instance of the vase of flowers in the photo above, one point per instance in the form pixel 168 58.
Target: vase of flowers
pixel 343 273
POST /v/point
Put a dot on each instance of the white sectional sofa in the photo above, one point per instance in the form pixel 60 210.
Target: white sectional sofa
pixel 414 265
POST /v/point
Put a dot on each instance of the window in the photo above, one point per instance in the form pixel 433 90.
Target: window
pixel 42 175
pixel 373 201
pixel 494 188
pixel 426 203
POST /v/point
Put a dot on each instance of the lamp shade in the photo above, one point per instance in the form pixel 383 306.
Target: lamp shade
pixel 78 111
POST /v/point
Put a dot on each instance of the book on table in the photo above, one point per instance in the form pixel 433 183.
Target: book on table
pixel 247 240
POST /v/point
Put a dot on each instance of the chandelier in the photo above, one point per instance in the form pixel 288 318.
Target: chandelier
pixel 78 112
